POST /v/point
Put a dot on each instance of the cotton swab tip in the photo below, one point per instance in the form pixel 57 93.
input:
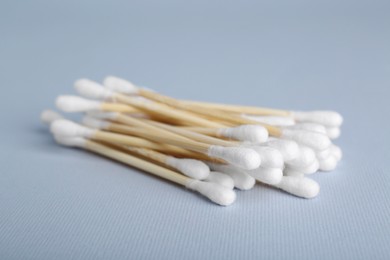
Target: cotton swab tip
pixel 333 132
pixel 250 133
pixel 336 151
pixel 120 85
pixel 94 123
pixel 66 128
pixel 221 179
pixel 76 104
pixel 328 164
pixel 270 157
pixel 241 157
pixel 299 186
pixel 309 127
pixel 48 116
pixel 317 141
pixel 288 148
pixel 90 89
pixel 192 168
pixel 215 192
pixel 70 141
pixel 306 157
pixel 327 118
pixel 269 176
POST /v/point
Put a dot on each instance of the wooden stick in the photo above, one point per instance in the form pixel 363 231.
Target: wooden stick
pixel 194 136
pixel 160 109
pixel 222 115
pixel 116 107
pixel 137 163
pixel 240 109
pixel 150 135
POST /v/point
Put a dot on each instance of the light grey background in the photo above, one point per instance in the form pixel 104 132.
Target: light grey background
pixel 59 203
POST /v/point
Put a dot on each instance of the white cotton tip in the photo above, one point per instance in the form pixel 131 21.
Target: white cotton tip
pixel 90 89
pixel 192 168
pixel 333 132
pixel 120 85
pixel 270 157
pixel 66 128
pixel 221 179
pixel 298 186
pixel 103 115
pixel 327 118
pixel 288 148
pixel 244 158
pixel 310 169
pixel 336 152
pixel 313 140
pixel 94 123
pixel 306 157
pixel 309 127
pixel 321 155
pixel 291 172
pixel 269 176
pixel 216 193
pixel 76 104
pixel 328 164
pixel 242 180
pixel 250 133
pixel 70 141
pixel 49 116
pixel 271 120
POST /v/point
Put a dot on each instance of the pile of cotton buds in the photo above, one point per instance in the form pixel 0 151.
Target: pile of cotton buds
pixel 206 147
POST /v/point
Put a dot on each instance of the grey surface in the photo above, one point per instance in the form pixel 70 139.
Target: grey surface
pixel 59 203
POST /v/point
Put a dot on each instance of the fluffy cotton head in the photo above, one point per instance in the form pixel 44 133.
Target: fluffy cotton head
pixel 310 169
pixel 270 157
pixel 215 192
pixel 321 155
pixel 66 128
pixel 120 85
pixel 306 157
pixel 49 116
pixel 244 158
pixel 328 164
pixel 336 151
pixel 250 133
pixel 94 122
pixel 299 186
pixel 313 140
pixel 291 172
pixel 76 104
pixel 327 118
pixel 309 127
pixel 90 89
pixel 333 132
pixel 192 168
pixel 271 120
pixel 221 179
pixel 242 180
pixel 288 148
pixel 269 176
pixel 70 141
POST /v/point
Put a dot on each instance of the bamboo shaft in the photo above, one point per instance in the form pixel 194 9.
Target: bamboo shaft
pixel 160 109
pixel 194 135
pixel 232 118
pixel 131 121
pixel 137 163
pixel 115 107
pixel 152 136
pixel 240 109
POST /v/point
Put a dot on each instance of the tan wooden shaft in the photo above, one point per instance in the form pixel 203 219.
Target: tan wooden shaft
pixel 133 161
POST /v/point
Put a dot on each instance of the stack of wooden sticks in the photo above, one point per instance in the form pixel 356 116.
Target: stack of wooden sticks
pixel 206 147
